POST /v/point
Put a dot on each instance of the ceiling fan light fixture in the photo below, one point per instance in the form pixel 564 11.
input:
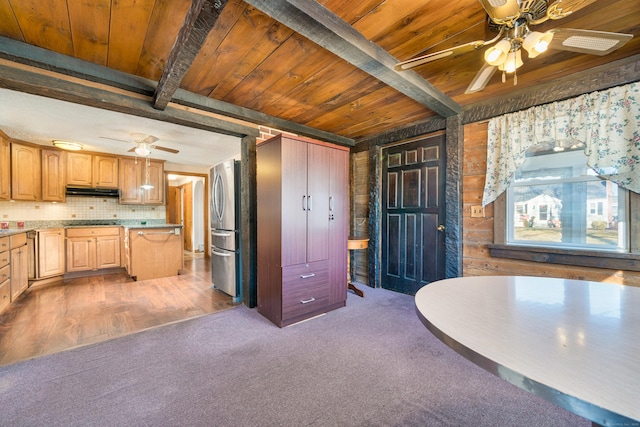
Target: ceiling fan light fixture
pixel 142 150
pixel 536 43
pixel 513 62
pixel 497 54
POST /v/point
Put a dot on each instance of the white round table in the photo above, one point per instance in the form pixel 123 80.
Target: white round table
pixel 574 343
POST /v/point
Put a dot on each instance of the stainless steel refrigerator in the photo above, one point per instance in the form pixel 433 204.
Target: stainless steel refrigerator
pixel 226 261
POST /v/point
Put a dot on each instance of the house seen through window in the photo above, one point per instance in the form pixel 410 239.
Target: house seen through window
pixel 557 200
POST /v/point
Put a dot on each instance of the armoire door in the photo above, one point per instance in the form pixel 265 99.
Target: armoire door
pixel 318 167
pixel 413 214
pixel 294 202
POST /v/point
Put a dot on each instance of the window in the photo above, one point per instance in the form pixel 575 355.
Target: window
pixel 556 200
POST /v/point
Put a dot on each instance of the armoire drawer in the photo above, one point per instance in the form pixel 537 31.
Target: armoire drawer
pixel 305 288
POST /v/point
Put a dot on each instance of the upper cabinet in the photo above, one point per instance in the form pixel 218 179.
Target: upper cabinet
pixel 5 168
pixel 92 170
pixel 25 172
pixel 105 171
pixel 79 167
pixel 53 175
pixel 134 173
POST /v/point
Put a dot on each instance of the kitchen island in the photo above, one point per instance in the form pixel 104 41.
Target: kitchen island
pixel 153 251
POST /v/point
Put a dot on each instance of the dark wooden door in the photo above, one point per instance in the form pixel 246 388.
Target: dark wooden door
pixel 413 214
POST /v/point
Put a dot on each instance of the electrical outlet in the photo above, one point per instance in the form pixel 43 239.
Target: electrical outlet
pixel 477 212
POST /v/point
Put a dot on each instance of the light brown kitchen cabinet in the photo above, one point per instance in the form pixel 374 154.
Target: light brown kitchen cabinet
pixel 105 172
pixel 19 264
pixel 5 167
pixel 154 252
pixel 93 248
pixel 92 170
pixel 25 172
pixel 133 174
pixel 50 253
pixel 53 175
pixel 302 228
pixel 79 169
pixel 5 273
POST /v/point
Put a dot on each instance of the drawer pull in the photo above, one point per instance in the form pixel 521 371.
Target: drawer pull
pixel 306 276
pixel 307 301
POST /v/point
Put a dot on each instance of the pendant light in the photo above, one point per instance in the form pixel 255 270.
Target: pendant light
pixel 147 185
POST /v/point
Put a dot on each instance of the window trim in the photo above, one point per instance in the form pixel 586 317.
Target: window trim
pixel 628 261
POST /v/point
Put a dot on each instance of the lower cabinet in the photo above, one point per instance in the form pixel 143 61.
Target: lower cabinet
pixel 5 273
pixel 50 253
pixel 19 263
pixel 93 248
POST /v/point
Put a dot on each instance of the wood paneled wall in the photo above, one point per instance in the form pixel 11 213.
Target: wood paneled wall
pixel 359 224
pixel 478 232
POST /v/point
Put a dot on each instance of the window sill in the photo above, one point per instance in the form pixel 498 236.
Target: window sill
pixel 583 258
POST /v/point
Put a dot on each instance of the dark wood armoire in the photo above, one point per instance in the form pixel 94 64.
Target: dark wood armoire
pixel 303 224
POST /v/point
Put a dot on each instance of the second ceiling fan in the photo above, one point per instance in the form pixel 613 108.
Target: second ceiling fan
pixel 512 20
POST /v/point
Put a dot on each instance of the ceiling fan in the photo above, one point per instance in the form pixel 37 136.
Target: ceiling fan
pixel 512 20
pixel 144 144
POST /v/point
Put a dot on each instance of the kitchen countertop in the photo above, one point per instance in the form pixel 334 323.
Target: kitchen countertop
pixel 154 226
pixel 13 231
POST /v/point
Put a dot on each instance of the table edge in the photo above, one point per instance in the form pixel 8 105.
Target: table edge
pixel 587 410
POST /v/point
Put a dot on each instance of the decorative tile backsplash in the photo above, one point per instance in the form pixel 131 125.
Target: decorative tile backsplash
pixel 80 210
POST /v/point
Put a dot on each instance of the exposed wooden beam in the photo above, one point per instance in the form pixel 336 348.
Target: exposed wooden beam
pixel 323 27
pixel 199 21
pixel 33 80
pixel 605 76
pixel 23 53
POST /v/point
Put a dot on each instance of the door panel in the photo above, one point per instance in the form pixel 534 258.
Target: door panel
pixel 413 210
pixel 294 201
pixel 318 163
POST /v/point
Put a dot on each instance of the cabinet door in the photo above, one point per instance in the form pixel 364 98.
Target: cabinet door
pixel 294 202
pixel 50 253
pixel 81 254
pixel 19 271
pixel 318 203
pixel 155 195
pixel 5 169
pixel 105 172
pixel 53 175
pixel 107 252
pixel 338 225
pixel 130 177
pixel 79 169
pixel 25 172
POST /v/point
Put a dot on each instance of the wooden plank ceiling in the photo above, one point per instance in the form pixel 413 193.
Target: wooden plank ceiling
pixel 251 60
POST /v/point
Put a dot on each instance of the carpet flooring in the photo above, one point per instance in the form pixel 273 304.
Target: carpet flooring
pixel 371 363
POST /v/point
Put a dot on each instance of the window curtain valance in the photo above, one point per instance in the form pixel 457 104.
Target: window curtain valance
pixel 605 123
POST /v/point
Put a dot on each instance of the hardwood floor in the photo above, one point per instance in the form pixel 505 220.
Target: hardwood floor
pixel 75 312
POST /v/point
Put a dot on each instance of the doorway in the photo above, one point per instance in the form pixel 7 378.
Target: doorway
pixel 413 214
pixel 187 203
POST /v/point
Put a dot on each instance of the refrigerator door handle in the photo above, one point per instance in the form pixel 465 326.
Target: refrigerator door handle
pixel 220 234
pixel 304 203
pixel 219 253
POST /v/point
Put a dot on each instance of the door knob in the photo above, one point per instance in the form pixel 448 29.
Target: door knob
pixel 441 227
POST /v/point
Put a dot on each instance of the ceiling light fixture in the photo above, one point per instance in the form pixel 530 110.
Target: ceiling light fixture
pixel 507 53
pixel 67 145
pixel 147 184
pixel 142 150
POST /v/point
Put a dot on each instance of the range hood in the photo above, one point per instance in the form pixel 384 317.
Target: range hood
pixel 92 192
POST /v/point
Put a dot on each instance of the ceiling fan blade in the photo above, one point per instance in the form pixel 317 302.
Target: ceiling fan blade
pixel 587 41
pixel 499 10
pixel 149 139
pixel 481 79
pixel 115 139
pixel 571 5
pixel 132 149
pixel 414 62
pixel 168 150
